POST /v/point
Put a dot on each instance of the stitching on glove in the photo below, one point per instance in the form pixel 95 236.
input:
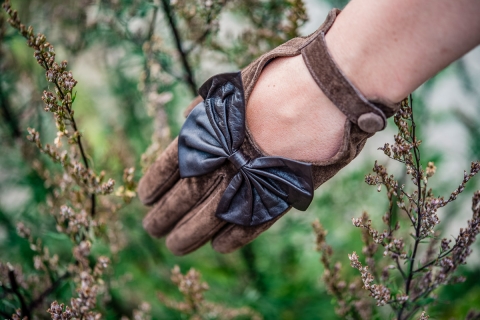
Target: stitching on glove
pixel 156 191
pixel 207 194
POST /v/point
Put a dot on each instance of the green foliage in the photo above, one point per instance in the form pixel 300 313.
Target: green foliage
pixel 132 90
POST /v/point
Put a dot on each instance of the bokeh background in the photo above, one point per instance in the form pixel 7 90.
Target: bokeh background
pixel 131 93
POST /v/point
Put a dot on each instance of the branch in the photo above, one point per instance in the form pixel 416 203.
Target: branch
pixel 36 43
pixel 47 291
pixel 399 267
pixel 178 42
pixel 15 289
pixel 441 256
pixel 249 256
pixel 151 30
pixel 79 141
pixel 204 35
pixel 419 212
pixel 416 153
pixel 9 116
pixel 199 40
pixel 151 27
pixel 411 313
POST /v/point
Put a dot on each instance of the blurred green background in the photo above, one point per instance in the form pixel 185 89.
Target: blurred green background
pixel 132 90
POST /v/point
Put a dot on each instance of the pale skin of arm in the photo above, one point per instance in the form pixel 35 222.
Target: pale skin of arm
pixel 386 48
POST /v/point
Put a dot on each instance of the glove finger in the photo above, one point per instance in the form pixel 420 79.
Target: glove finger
pixel 161 176
pixel 197 227
pixel 185 196
pixel 232 237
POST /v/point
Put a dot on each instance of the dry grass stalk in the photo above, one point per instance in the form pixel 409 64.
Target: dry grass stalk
pixel 417 275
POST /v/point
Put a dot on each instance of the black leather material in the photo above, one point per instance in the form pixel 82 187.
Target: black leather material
pixel 264 187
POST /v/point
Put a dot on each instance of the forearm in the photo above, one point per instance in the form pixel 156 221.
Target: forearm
pixel 388 48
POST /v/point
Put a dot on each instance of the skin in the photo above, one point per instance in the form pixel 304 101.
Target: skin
pixel 386 48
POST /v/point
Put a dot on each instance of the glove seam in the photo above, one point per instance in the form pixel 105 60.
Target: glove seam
pixel 156 191
pixel 150 219
pixel 206 237
pixel 202 199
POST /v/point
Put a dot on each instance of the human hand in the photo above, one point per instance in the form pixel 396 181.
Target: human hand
pixel 227 181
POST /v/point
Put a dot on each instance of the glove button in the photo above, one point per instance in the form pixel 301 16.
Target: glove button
pixel 371 122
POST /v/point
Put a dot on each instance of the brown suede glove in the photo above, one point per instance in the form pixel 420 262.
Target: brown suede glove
pixel 214 183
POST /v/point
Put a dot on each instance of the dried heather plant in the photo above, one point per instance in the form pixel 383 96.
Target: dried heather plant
pixel 410 275
pixel 73 203
pixel 194 304
pixel 78 197
pixel 473 315
pixel 351 301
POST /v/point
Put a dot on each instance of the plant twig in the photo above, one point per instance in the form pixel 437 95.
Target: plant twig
pixel 9 116
pixel 435 260
pixel 48 291
pixel 178 42
pixel 36 44
pixel 26 311
pixel 419 213
pixel 151 30
pixel 249 256
pixel 204 34
pixel 419 203
pixel 79 141
pixel 399 267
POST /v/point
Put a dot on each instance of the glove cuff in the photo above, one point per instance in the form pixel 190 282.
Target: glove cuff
pixel 370 117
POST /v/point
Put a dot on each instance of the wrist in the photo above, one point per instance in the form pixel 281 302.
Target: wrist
pixel 366 60
pixel 389 48
pixel 289 116
pixel 361 64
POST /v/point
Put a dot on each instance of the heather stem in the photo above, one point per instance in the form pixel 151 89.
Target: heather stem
pixel 48 291
pixel 419 204
pixel 178 42
pixel 26 312
pixel 48 66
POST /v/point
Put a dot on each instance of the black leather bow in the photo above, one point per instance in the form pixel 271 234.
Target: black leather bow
pixel 213 133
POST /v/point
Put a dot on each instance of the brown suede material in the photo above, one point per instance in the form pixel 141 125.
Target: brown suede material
pixel 165 169
pixel 290 48
pixel 185 196
pixel 334 84
pixel 186 207
pixel 233 237
pixel 200 224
